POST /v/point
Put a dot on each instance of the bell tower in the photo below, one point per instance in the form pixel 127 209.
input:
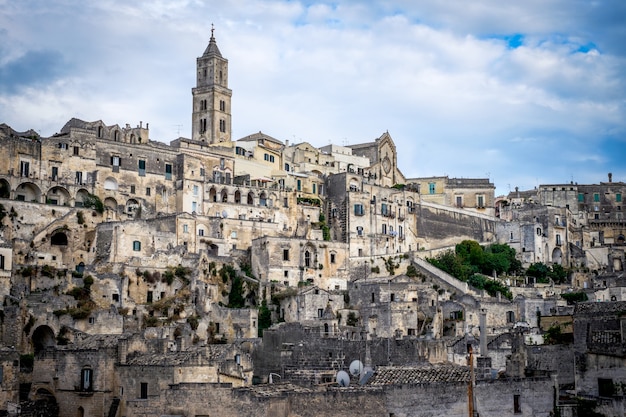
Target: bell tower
pixel 211 119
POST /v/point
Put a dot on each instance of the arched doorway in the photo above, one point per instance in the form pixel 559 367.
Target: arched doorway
pixel 250 198
pixel 58 238
pixel 237 197
pixel 224 196
pixel 58 196
pixel 557 256
pixel 28 192
pixel 213 195
pixel 5 189
pixel 45 404
pixel 43 338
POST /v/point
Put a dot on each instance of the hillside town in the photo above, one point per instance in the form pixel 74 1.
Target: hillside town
pixel 257 277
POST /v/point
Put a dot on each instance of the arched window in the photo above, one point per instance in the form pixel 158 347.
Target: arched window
pixel 86 379
pixel 307 259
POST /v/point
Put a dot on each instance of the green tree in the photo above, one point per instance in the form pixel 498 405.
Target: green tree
pixel 265 318
pixel 538 270
pixel 558 274
pixel 235 297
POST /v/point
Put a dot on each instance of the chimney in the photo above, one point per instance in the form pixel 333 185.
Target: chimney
pixel 482 321
pixel 610 177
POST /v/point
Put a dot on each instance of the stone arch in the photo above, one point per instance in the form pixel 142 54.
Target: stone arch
pixel 110 203
pixel 620 239
pixel 263 199
pixel 5 188
pixel 224 196
pixel 45 403
pixel 213 195
pixel 250 199
pixel 81 196
pixel 59 238
pixel 43 338
pixel 58 196
pixel 80 412
pixel 238 197
pixel 110 183
pixel 132 206
pixel 557 256
pixel 28 191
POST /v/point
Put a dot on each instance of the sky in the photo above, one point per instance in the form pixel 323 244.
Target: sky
pixel 521 92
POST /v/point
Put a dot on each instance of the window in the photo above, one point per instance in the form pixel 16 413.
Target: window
pixel 307 259
pixel 132 189
pixel 194 207
pixel 168 171
pixel 459 201
pixel 185 228
pixel 431 188
pixel 517 407
pixel 481 201
pixel 286 167
pixel 149 297
pixel 393 297
pixel 332 258
pixel 285 254
pixel 581 197
pixel 143 391
pixel 63 146
pixel 76 150
pixel 86 379
pixel 384 229
pixel 222 105
pixel 200 232
pixel 1 261
pixel 142 168
pixel 202 172
pixel 202 125
pixel 606 387
pixel 384 209
pixel 618 197
pixel 195 190
pixel 222 125
pixel 24 168
pixel 510 317
pixel 55 173
pixel 115 161
pixel 359 231
pixel 148 191
pixel 358 210
pixel 222 163
pixel 596 197
pixel 79 177
pixel 136 246
pixel 320 313
pixel 558 240
pixel 314 188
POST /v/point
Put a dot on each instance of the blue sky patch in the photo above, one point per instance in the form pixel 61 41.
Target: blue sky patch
pixel 32 68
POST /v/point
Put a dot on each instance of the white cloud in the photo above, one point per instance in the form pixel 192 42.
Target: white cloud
pixel 440 76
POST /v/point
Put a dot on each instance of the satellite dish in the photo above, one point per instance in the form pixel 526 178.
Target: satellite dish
pixel 343 379
pixel 356 367
pixel 224 214
pixel 366 374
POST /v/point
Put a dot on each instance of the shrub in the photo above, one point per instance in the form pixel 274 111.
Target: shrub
pixel 80 218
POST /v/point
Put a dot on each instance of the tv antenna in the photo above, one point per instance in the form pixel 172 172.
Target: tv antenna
pixel 178 127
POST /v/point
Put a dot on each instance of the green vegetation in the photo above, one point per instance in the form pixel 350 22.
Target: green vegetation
pixel 309 201
pixel 80 217
pixel 352 319
pixel 265 318
pixel 390 265
pixel 469 260
pixel 92 201
pixel 574 297
pixel 544 273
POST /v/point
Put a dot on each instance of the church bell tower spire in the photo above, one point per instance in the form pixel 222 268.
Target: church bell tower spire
pixel 211 118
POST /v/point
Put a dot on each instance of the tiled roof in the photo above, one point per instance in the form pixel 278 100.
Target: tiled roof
pixel 390 375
